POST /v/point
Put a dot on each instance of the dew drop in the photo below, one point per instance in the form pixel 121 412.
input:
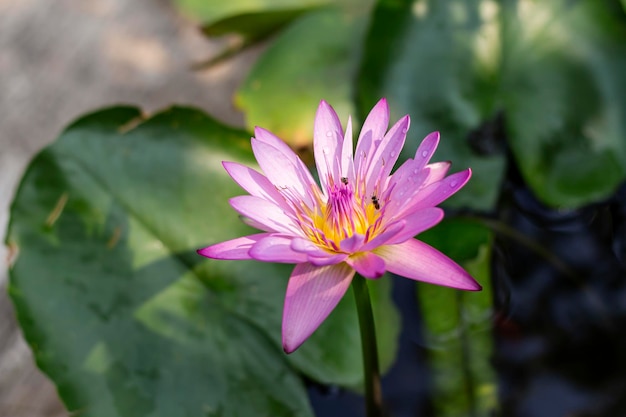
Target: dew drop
pixel 329 133
pixel 453 184
pixel 405 130
pixel 401 193
pixel 415 171
pixel 424 154
pixel 392 154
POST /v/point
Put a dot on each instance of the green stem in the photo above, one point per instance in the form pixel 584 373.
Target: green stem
pixel 373 392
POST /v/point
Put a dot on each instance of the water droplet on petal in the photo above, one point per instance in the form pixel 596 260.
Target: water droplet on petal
pixel 329 133
pixel 405 130
pixel 424 154
pixel 453 184
pixel 401 193
pixel 392 154
pixel 415 171
pixel 325 151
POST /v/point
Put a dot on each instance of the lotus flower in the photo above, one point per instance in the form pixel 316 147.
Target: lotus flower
pixel 361 218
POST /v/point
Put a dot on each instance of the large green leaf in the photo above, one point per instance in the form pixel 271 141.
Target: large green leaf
pixel 252 28
pixel 564 90
pixel 118 308
pixel 315 58
pixel 553 72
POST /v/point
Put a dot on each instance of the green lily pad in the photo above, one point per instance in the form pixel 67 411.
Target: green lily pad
pixel 209 12
pixel 314 58
pixel 564 89
pixel 554 73
pixel 252 28
pixel 120 311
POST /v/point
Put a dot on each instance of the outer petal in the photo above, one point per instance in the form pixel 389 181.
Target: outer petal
pixel 439 191
pixel 232 249
pixel 276 248
pixel 312 293
pixel 416 260
pixel 367 264
pixel 352 244
pixel 380 239
pixel 386 155
pixel 406 181
pixel 327 260
pixel 436 172
pixel 265 213
pixel 327 144
pixel 253 182
pixel 426 149
pixel 347 158
pixel 269 138
pixel 288 176
pixel 373 130
pixel 304 245
pixel 417 222
pixel 409 193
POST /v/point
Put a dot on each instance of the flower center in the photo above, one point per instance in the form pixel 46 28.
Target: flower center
pixel 344 214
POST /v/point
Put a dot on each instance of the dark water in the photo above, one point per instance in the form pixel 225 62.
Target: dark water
pixel 560 326
pixel 559 322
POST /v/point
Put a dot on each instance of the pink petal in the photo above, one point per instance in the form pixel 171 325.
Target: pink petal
pixel 411 178
pixel 416 260
pixel 386 155
pixel 232 249
pixel 372 132
pixel 254 224
pixel 367 264
pixel 417 222
pixel 276 248
pixel 304 245
pixel 265 213
pixel 347 159
pixel 409 192
pixel 404 185
pixel 441 190
pixel 436 171
pixel 315 254
pixel 253 182
pixel 426 149
pixel 352 244
pixel 327 260
pixel 274 141
pixel 327 144
pixel 290 178
pixel 267 137
pixel 312 293
pixel 408 178
pixel 381 238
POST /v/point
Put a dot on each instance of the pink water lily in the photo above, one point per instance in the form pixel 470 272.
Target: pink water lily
pixel 362 219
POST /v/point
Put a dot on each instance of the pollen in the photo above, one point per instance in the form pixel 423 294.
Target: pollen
pixel 342 215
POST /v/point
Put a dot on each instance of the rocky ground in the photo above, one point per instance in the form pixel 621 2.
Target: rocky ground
pixel 63 58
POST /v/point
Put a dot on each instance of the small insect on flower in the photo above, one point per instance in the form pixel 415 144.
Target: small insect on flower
pixel 331 231
pixel 375 202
